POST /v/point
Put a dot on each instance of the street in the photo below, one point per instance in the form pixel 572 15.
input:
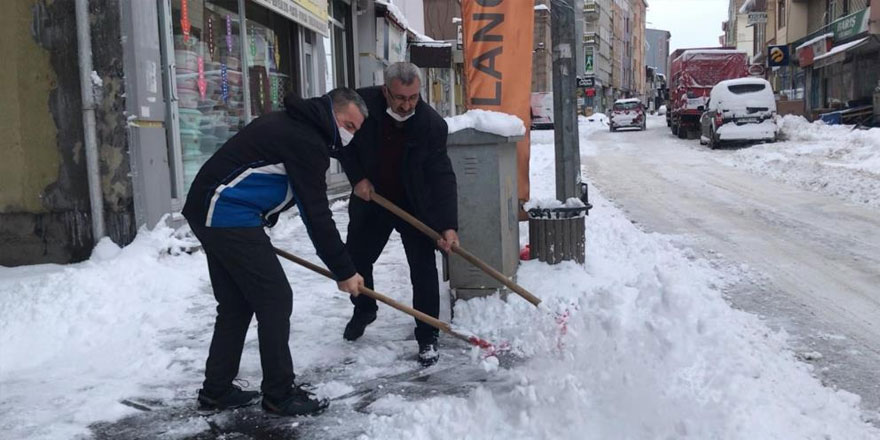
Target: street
pixel 809 263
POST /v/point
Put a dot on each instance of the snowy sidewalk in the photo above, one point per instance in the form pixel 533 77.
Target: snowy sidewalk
pixel 651 349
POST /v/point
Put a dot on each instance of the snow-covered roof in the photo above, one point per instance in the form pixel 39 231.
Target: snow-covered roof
pixel 394 12
pixel 690 53
pixel 502 124
pixel 746 6
pixel 841 48
pixel 541 8
pixel 814 40
pixel 628 100
pixel 420 39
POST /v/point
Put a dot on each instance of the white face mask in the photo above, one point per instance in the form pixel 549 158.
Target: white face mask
pixel 397 117
pixel 345 136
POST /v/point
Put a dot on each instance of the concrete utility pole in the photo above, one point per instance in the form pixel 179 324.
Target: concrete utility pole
pixel 563 39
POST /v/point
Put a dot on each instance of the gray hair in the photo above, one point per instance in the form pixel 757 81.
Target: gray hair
pixel 343 96
pixel 404 72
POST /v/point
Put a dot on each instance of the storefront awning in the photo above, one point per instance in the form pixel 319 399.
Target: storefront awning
pixel 309 13
pixel 838 53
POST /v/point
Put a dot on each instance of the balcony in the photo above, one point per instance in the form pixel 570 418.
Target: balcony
pixel 590 38
pixel 591 10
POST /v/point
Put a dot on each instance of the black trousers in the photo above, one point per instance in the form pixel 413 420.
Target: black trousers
pixel 248 280
pixel 369 228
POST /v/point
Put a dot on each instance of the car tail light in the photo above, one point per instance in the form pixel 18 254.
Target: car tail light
pixel 718 120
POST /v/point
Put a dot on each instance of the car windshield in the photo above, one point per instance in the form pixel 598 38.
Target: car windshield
pixel 626 105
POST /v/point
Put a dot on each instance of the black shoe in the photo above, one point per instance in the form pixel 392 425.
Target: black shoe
pixel 428 354
pixel 357 324
pixel 298 402
pixel 235 397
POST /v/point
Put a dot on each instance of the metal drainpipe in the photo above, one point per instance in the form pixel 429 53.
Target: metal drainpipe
pixel 84 40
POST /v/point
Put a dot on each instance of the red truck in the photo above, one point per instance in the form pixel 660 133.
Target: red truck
pixel 693 73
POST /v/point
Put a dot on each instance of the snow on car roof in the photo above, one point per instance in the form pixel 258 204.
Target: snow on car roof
pixel 738 81
pixel 628 100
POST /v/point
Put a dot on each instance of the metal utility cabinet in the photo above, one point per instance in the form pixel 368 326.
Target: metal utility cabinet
pixel 485 169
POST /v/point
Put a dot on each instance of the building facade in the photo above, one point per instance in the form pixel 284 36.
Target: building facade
pixel 173 80
pixel 834 55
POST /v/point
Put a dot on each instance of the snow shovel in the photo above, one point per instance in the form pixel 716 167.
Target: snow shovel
pixel 466 336
pixel 471 258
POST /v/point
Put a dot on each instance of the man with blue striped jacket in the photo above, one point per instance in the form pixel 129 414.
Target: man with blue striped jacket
pixel 277 161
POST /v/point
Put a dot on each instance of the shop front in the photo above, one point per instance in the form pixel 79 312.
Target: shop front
pixel 227 62
pixel 842 67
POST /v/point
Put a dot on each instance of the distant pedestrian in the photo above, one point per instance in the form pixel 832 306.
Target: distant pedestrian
pixel 400 153
pixel 276 161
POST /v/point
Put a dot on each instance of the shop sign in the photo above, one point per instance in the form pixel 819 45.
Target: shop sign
pixel 309 13
pixel 808 53
pixel 851 25
pixel 757 18
pixel 777 56
pixel 586 82
pixel 756 70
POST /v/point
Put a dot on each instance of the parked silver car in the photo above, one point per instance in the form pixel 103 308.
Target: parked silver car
pixel 739 110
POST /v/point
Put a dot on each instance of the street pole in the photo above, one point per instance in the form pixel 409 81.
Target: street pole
pixel 568 163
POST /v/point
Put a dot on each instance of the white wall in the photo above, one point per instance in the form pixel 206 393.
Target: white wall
pixel 414 11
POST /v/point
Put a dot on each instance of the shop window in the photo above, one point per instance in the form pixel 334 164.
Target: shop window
pixel 208 77
pixel 270 50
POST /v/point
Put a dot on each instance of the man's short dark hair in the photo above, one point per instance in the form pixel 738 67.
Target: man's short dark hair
pixel 343 96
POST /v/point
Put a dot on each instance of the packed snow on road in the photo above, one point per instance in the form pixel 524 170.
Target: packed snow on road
pixel 637 343
pixel 834 159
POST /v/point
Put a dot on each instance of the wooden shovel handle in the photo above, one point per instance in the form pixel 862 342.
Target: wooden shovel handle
pixel 430 320
pixel 471 258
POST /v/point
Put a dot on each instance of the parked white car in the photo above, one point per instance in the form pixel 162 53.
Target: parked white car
pixel 739 110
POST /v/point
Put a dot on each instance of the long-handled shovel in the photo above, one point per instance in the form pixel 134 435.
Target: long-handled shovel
pixel 472 339
pixel 385 203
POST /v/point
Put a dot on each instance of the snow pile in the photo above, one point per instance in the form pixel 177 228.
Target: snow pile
pixel 834 159
pixel 77 339
pixel 549 203
pixel 648 349
pixel 502 124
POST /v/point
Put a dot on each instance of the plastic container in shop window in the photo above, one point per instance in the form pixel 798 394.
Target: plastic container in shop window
pixel 208 143
pixel 187 81
pixel 188 98
pixel 190 143
pixel 186 59
pixel 190 119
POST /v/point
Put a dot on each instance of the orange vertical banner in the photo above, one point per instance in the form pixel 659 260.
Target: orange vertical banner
pixel 498 41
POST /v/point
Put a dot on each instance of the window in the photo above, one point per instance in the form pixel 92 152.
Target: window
pixel 830 6
pixel 845 7
pixel 270 49
pixel 780 14
pixel 208 78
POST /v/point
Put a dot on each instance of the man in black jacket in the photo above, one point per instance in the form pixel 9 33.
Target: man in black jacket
pixel 400 153
pixel 276 161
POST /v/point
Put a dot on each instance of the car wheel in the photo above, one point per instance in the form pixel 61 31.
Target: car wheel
pixel 682 132
pixel 674 129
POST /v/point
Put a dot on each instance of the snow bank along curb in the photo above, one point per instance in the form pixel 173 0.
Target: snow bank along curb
pixel 833 159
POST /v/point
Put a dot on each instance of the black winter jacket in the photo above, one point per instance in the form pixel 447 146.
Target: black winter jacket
pixel 277 161
pixel 428 177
